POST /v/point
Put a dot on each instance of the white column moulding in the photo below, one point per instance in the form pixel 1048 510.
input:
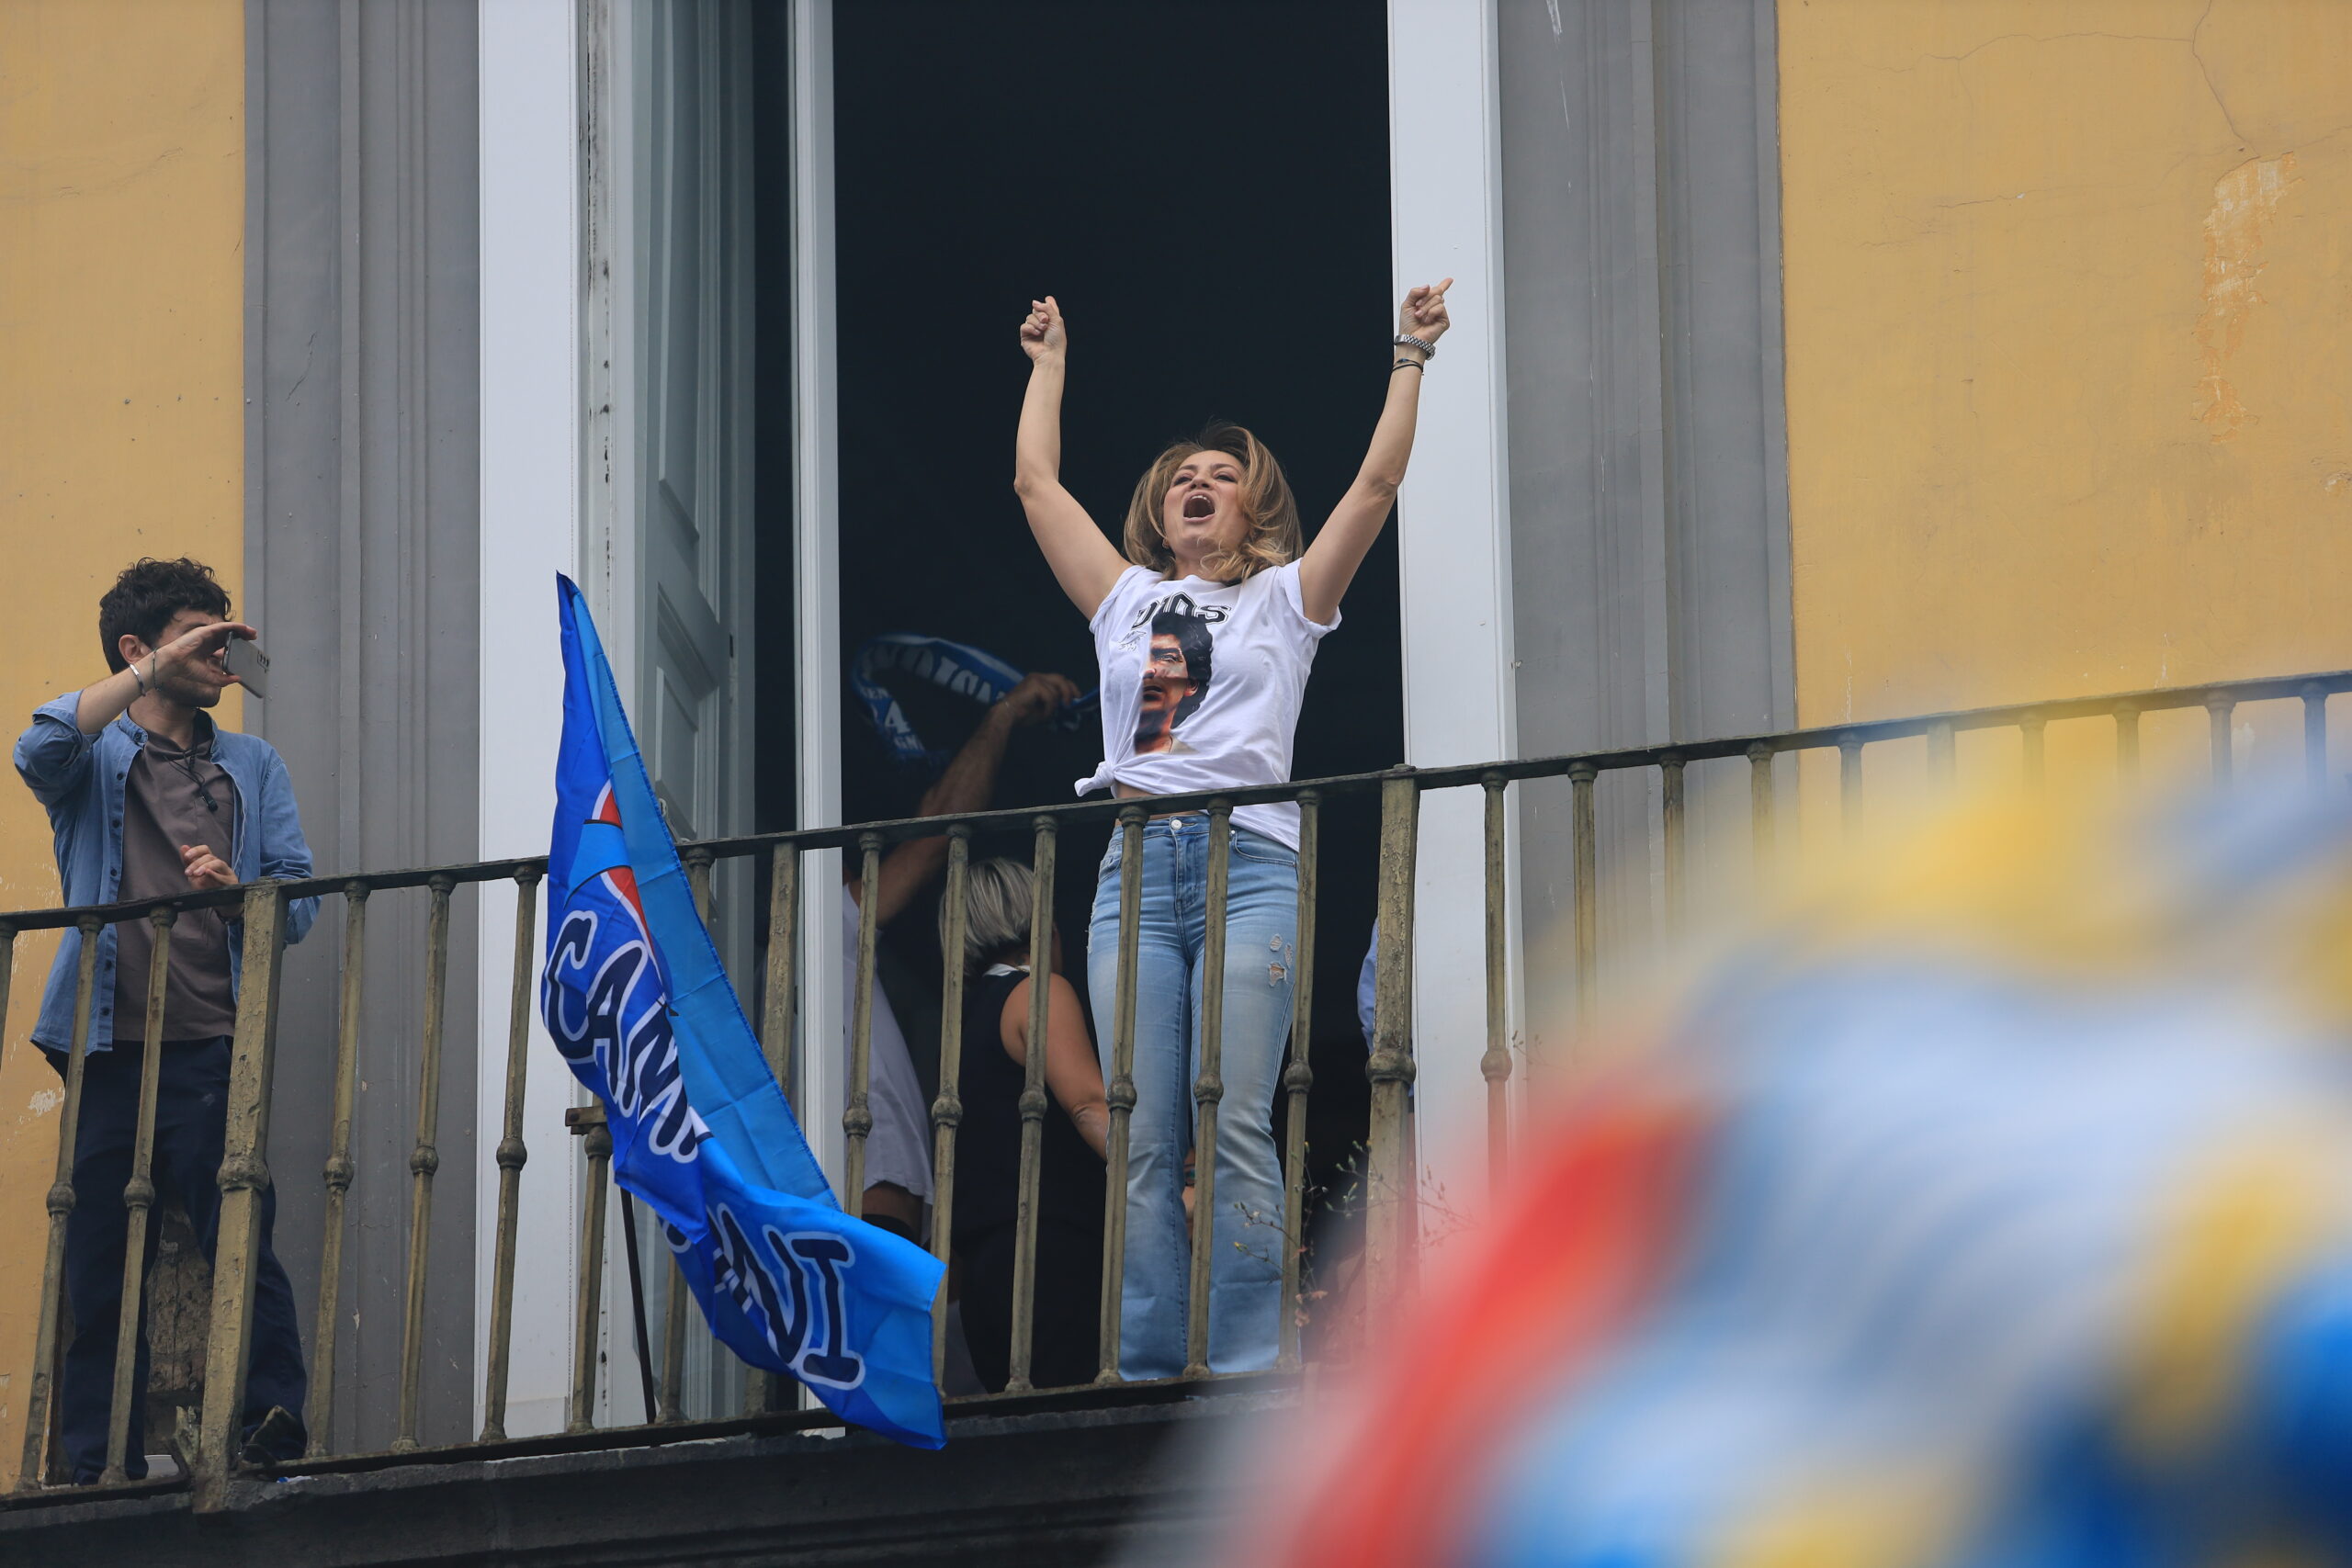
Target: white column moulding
pixel 1454 546
pixel 530 502
pixel 608 243
pixel 816 617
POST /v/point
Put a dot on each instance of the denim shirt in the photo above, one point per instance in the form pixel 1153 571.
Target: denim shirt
pixel 80 779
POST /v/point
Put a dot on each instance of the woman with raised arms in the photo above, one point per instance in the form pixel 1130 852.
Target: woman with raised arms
pixel 1205 622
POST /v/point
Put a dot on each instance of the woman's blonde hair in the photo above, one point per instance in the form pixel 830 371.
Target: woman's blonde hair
pixel 998 898
pixel 1273 539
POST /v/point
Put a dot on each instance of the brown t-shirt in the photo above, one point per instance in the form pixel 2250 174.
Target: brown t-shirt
pixel 172 797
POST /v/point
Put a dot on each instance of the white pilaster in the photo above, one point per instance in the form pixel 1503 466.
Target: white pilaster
pixel 817 619
pixel 530 506
pixel 1454 541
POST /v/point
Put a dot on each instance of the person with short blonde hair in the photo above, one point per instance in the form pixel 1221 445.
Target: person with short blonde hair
pixel 998 897
pixel 1205 626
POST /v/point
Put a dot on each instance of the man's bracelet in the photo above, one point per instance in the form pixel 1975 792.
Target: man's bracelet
pixel 138 677
pixel 1416 364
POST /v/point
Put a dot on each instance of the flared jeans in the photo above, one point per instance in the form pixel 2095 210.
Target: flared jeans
pixel 1261 949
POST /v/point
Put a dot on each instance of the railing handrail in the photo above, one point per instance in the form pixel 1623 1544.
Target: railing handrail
pixel 1390 1172
pixel 2321 683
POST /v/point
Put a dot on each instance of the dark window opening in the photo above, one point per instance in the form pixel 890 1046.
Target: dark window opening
pixel 1204 187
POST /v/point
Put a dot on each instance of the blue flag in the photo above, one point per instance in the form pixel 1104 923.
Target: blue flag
pixel 957 667
pixel 643 1010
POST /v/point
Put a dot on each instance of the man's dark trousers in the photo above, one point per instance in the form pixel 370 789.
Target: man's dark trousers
pixel 191 1129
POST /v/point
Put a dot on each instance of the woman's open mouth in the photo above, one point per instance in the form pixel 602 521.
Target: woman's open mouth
pixel 1199 506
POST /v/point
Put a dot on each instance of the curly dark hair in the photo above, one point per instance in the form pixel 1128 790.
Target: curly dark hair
pixel 148 594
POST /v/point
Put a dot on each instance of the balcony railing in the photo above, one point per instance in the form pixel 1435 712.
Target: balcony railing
pixel 1390 1173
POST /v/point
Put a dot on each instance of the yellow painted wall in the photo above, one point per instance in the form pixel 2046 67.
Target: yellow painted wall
pixel 2069 332
pixel 121 420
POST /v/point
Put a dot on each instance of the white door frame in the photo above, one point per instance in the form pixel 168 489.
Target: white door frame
pixel 531 470
pixel 816 524
pixel 557 466
pixel 1453 542
pixel 561 426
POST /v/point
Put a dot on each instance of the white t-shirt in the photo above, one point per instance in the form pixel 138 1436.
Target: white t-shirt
pixel 899 1149
pixel 1202 684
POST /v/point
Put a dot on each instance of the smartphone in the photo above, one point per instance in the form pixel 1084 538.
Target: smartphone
pixel 249 664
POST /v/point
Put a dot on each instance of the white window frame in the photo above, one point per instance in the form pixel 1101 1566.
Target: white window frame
pixel 559 418
pixel 1453 542
pixel 816 525
pixel 552 392
pixel 531 431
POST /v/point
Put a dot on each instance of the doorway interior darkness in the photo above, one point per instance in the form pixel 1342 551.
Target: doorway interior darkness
pixel 1204 185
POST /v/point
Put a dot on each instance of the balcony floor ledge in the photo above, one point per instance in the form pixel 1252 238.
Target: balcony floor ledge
pixel 1038 1489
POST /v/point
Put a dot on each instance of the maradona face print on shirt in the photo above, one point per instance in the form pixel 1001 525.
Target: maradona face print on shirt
pixel 1201 686
pixel 1176 667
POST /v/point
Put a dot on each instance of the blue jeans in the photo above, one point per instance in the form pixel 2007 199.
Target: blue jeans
pixel 1261 949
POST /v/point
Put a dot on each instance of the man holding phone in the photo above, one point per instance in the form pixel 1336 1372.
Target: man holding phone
pixel 148 799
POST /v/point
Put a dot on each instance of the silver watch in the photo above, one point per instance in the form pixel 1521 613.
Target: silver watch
pixel 1406 340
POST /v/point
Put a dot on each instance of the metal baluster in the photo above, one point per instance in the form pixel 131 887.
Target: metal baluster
pixel 776 1029
pixel 1584 843
pixel 1033 1109
pixel 1389 1176
pixel 1672 813
pixel 1760 808
pixel 1208 1089
pixel 2029 741
pixel 1121 1093
pixel 512 1154
pixel 588 1308
pixel 857 1120
pixel 783 958
pixel 60 1205
pixel 1849 784
pixel 423 1162
pixel 138 1199
pixel 857 1115
pixel 244 1178
pixel 2126 744
pixel 947 1109
pixel 7 967
pixel 1298 1077
pixel 340 1170
pixel 2315 736
pixel 1495 1065
pixel 677 1299
pixel 2217 710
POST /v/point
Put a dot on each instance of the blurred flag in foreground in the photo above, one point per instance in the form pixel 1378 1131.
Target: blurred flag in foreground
pixel 643 1010
pixel 1991 1206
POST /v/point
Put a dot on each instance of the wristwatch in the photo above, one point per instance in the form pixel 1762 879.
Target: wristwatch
pixel 1406 340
